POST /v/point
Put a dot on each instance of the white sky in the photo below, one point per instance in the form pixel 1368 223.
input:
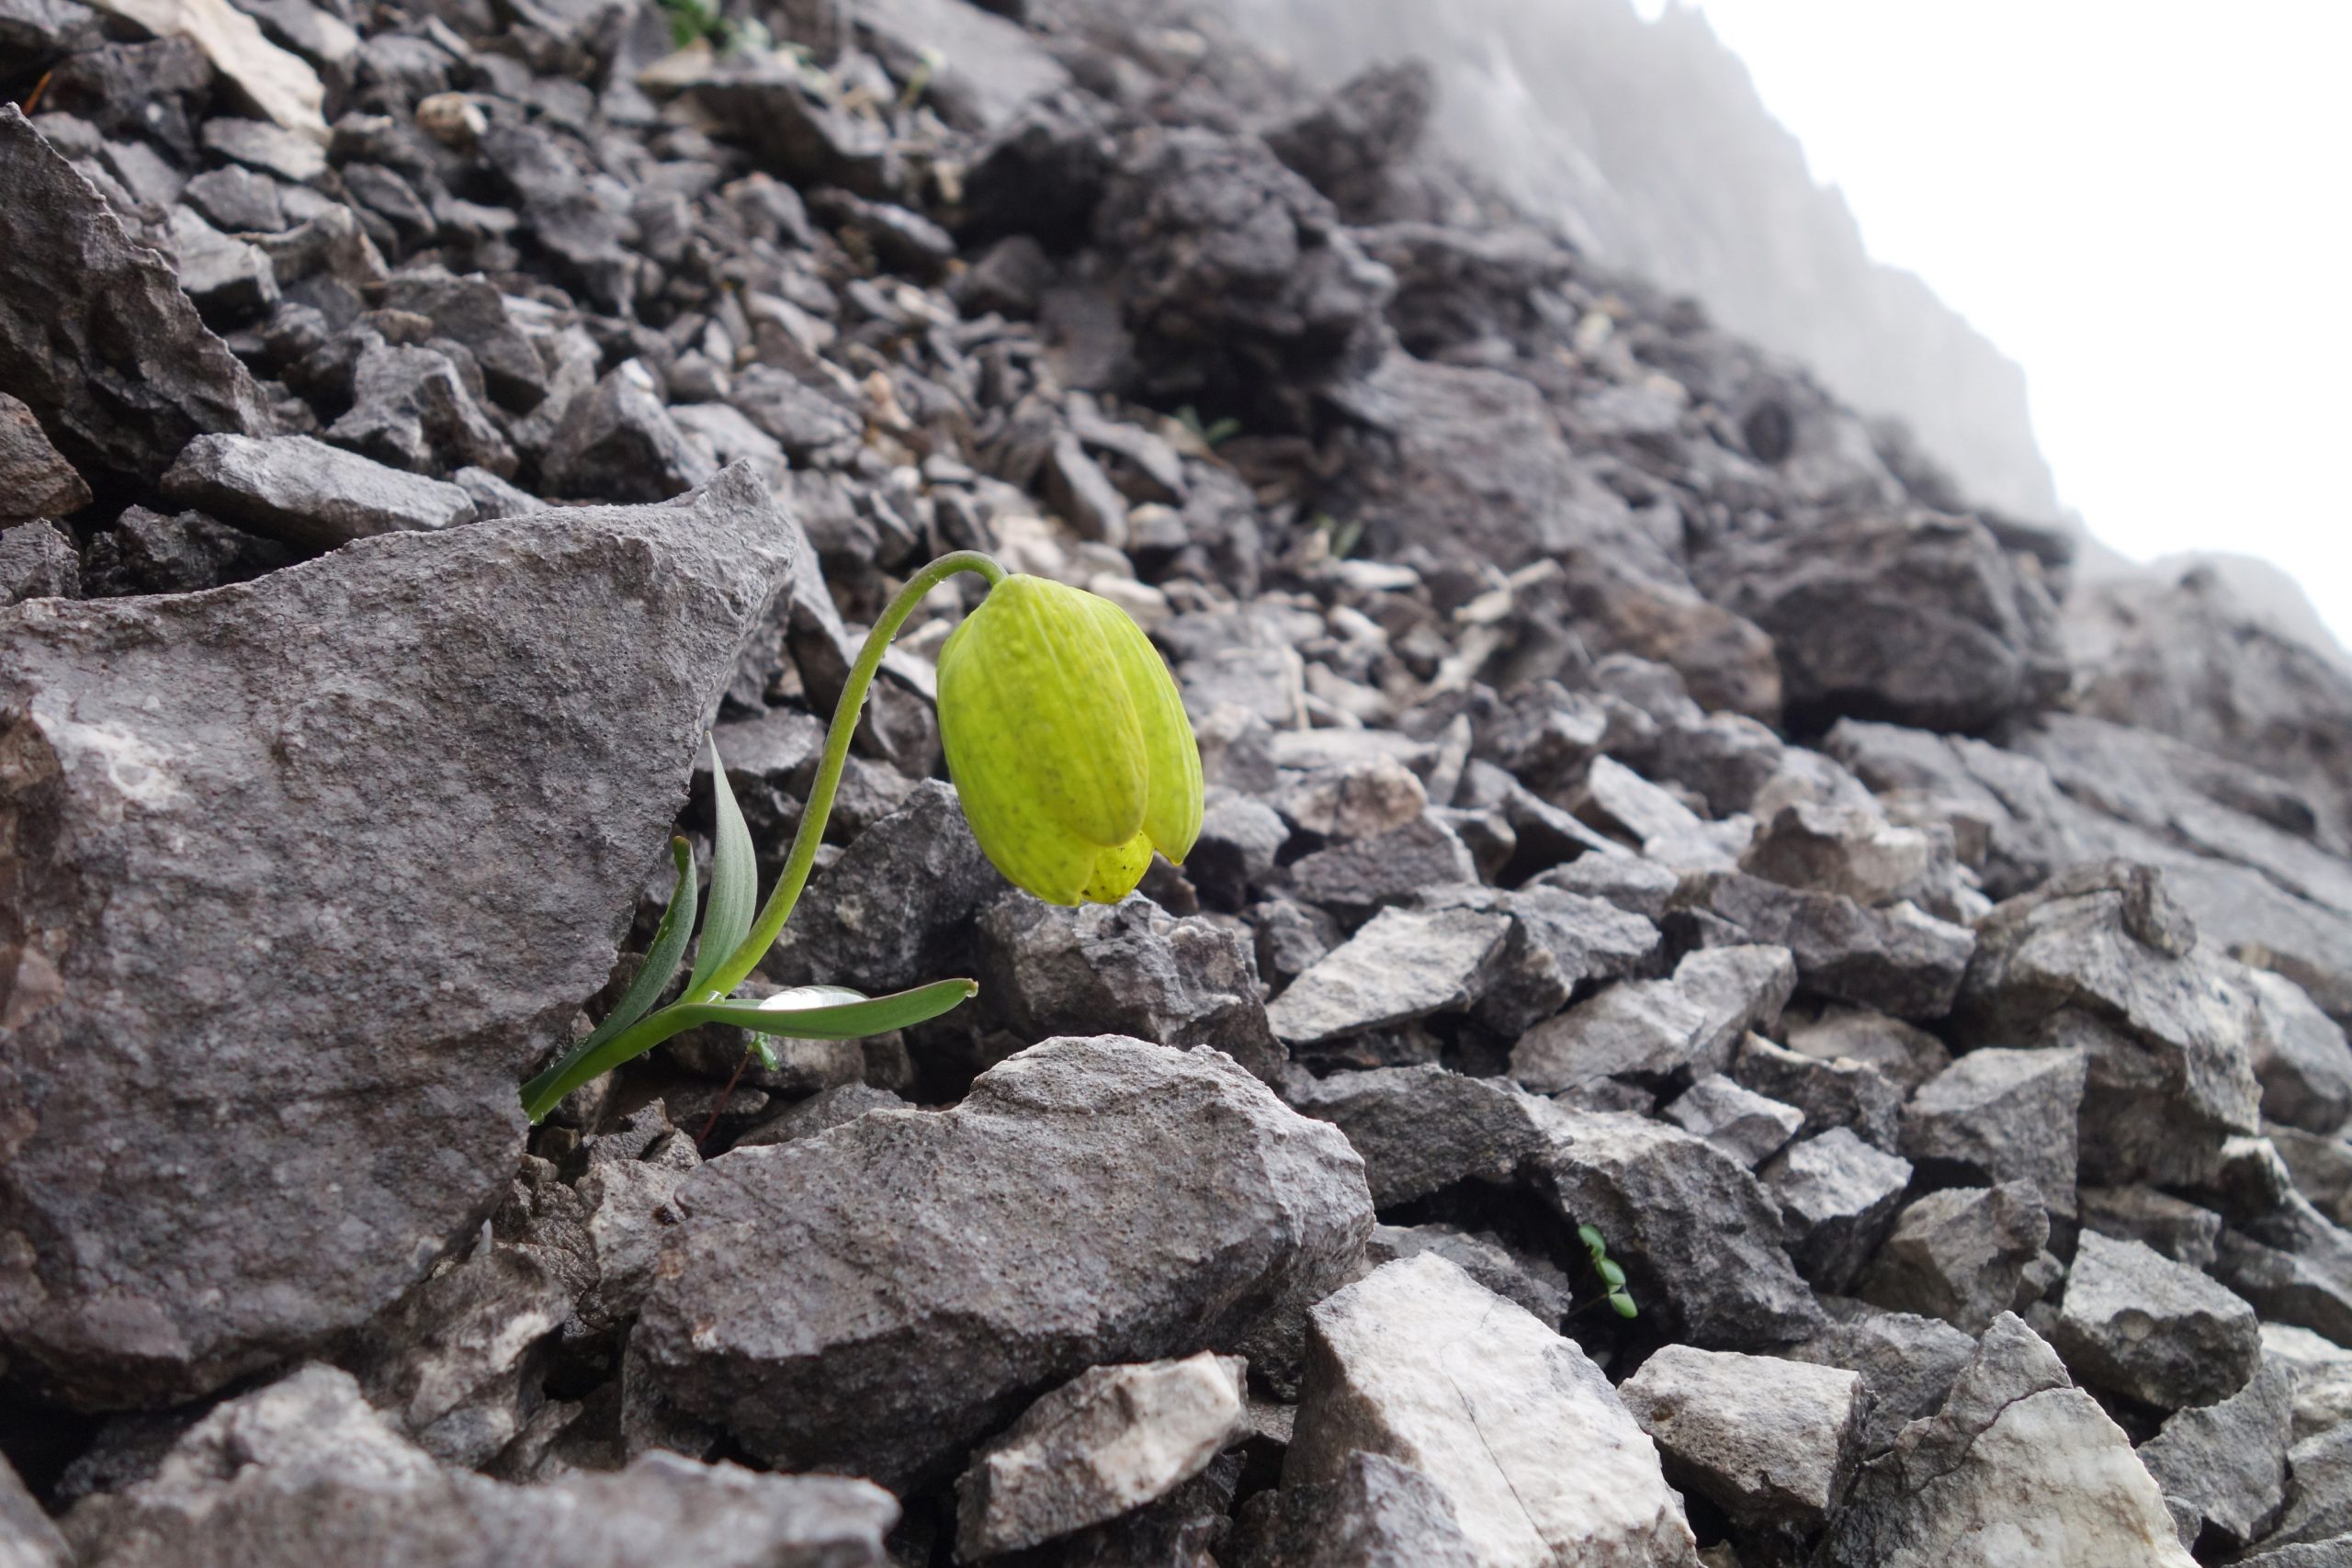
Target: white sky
pixel 2147 203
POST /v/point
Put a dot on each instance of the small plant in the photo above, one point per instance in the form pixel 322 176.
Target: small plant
pixel 1212 436
pixel 1611 1277
pixel 1069 744
pixel 693 21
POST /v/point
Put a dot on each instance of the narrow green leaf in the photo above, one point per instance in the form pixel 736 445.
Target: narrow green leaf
pixel 661 966
pixel 844 1022
pixel 734 882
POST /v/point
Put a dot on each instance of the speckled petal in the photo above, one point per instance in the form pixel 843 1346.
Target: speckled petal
pixel 1172 758
pixel 1117 871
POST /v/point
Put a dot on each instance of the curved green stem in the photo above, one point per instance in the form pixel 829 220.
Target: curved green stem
pixel 811 831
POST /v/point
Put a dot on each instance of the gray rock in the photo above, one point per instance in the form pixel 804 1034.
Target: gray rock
pixel 2228 1462
pixel 2018 1462
pixel 1111 1439
pixel 2102 958
pixel 2319 1499
pixel 2180 1230
pixel 2294 1266
pixel 1639 886
pixel 1131 968
pixel 1534 1283
pixel 27 1539
pixel 1696 1233
pixel 1404 964
pixel 472 311
pixel 1843 849
pixel 1361 798
pixel 2321 1376
pixel 1421 1129
pixel 1376 1512
pixel 1838 1093
pixel 34 481
pixel 2300 1057
pixel 1996 1116
pixel 1239 838
pixel 1090 1201
pixel 1356 878
pixel 147 552
pixel 2321 1168
pixel 1418 1363
pixel 1658 1027
pixel 1558 941
pixel 280 768
pixel 1741 1123
pixel 1771 1442
pixel 303 1471
pixel 450 1364
pixel 1347 144
pixel 1897 960
pixel 1959 1255
pixel 308 493
pixel 1908 1362
pixel 821 1111
pixel 619 444
pixel 1922 620
pixel 2333 1552
pixel 1838 1196
pixel 95 331
pixel 1905 1056
pixel 38 561
pixel 411 409
pixel 2136 1323
pixel 898 907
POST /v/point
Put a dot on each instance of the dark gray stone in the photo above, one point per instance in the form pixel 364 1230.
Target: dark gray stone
pixel 1376 1512
pixel 1741 1123
pixel 1839 1093
pixel 37 561
pixel 1347 144
pixel 411 409
pixel 2136 1323
pixel 1908 1362
pixel 2319 1499
pixel 1654 1028
pixel 1357 878
pixel 308 493
pixel 1771 1442
pixel 1558 941
pixel 34 481
pixel 2301 1056
pixel 1534 1283
pixel 148 552
pixel 332 763
pixel 1904 1054
pixel 1404 964
pixel 1838 1196
pixel 1421 1129
pixel 1131 967
pixel 1090 1201
pixel 1996 1116
pixel 619 444
pixel 2294 1266
pixel 1959 1255
pixel 95 331
pixel 2180 1230
pixel 2228 1462
pixel 1897 960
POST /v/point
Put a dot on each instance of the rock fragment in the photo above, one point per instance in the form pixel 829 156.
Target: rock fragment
pixel 34 481
pixel 1838 1196
pixel 1998 1115
pixel 308 493
pixel 1404 964
pixel 2225 1464
pixel 1376 1512
pixel 1897 960
pixel 1743 1124
pixel 1771 1442
pixel 1906 1363
pixel 1421 1129
pixel 1959 1255
pixel 2136 1323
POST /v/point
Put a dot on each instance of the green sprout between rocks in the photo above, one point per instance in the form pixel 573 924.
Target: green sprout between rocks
pixel 1612 1278
pixel 1070 748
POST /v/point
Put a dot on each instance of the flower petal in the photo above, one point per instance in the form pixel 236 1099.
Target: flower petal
pixel 1172 757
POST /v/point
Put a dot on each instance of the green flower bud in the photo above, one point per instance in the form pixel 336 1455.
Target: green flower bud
pixel 1068 741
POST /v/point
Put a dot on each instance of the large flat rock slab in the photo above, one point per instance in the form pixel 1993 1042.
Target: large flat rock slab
pixel 300 874
pixel 877 1298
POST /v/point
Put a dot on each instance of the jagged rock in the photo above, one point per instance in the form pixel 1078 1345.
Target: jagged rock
pixel 1904 1054
pixel 1239 838
pixel 1130 967
pixel 1356 878
pixel 2102 958
pixel 1533 1281
pixel 472 311
pixel 2322 1379
pixel 1771 1442
pixel 1838 1196
pixel 1347 144
pixel 37 561
pixel 2319 1498
pixel 303 1471
pixel 95 331
pixel 232 755
pixel 1111 1439
pixel 228 279
pixel 1837 1093
pixel 2227 1462
pixel 2321 1168
pixel 1906 1363
pixel 1041 172
pixel 1998 1116
pixel 307 493
pixel 1897 960
pixel 1419 1364
pixel 1404 964
pixel 1422 1128
pixel 2017 1460
pixel 2294 1266
pixel 821 1111
pixel 1925 621
pixel 34 481
pixel 896 909
pixel 1189 1209
pixel 1557 942
pixel 1667 830
pixel 1470 465
pixel 450 1364
pixel 1234 266
pixel 1658 1027
pixel 27 1539
pixel 1694 1231
pixel 411 409
pixel 1959 1255
pixel 988 67
pixel 147 552
pixel 1741 1123
pixel 2136 1323
pixel 2300 1057
pixel 1843 849
pixel 1359 799
pixel 1375 1513
pixel 2333 1552
pixel 2180 1230
pixel 1726 663
pixel 619 444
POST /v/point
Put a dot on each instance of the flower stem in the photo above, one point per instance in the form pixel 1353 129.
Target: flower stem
pixel 811 831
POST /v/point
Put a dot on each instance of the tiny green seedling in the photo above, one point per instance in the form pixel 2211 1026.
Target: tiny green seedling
pixel 1612 1278
pixel 1068 745
pixel 1213 435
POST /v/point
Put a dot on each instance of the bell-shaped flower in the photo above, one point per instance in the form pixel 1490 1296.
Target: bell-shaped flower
pixel 1068 741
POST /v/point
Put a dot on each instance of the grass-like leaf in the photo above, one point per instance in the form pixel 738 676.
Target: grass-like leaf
pixel 734 881
pixel 660 968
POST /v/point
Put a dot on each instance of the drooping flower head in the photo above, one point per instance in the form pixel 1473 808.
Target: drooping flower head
pixel 1068 741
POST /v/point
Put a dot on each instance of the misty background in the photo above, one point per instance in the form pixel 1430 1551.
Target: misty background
pixel 2091 253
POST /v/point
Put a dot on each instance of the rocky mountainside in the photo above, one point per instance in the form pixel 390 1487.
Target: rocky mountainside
pixel 1661 841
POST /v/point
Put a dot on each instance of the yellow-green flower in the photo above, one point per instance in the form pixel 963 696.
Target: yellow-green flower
pixel 1068 741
